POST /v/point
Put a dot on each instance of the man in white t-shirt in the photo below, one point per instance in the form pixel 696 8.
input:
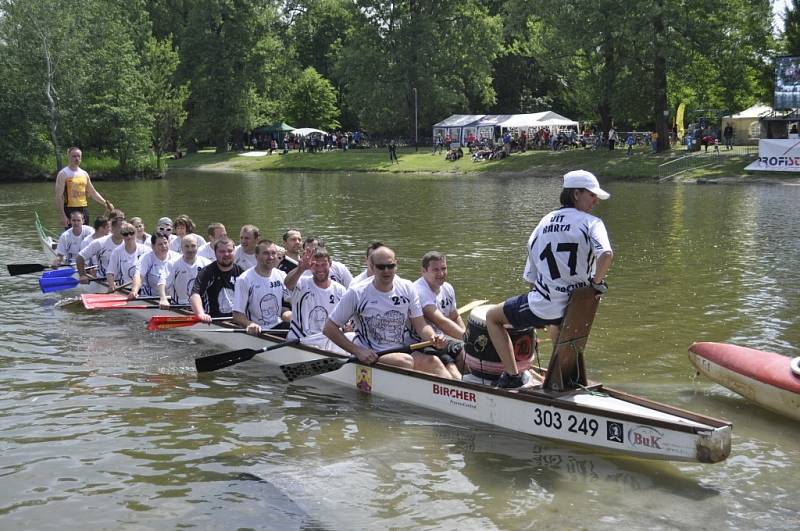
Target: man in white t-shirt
pixel 245 254
pixel 438 301
pixel 102 228
pixel 313 298
pixel 258 297
pixel 180 274
pixel 339 271
pixel 380 309
pixel 215 232
pixel 124 260
pixel 568 249
pixel 69 243
pixel 368 265
pixel 98 251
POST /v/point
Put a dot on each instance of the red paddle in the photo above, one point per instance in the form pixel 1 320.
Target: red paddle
pixel 165 322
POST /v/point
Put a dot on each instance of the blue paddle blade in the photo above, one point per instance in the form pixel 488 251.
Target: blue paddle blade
pixel 52 284
pixel 60 272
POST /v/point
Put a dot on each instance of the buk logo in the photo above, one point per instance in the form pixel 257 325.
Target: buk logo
pixel 645 436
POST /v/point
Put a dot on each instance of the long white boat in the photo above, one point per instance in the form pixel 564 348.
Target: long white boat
pixel 590 415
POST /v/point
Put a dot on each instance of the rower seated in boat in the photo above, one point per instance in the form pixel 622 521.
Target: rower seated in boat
pixel 213 291
pixel 69 243
pixel 312 298
pixel 181 274
pixel 339 271
pixel 215 232
pixel 380 309
pixel 124 258
pixel 152 267
pixel 259 292
pixel 438 301
pixel 98 251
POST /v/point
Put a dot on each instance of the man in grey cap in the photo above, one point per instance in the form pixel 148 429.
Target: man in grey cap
pixel 568 249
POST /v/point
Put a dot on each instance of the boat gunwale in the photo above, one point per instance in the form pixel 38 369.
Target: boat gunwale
pixel 534 395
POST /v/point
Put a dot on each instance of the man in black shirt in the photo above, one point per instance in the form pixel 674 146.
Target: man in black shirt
pixel 212 295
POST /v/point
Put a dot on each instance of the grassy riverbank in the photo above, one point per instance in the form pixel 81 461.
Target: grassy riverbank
pixel 610 164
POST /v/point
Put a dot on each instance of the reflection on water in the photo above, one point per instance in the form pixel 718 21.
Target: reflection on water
pixel 107 426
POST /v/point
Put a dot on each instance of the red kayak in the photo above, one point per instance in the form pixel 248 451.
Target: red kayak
pixel 765 378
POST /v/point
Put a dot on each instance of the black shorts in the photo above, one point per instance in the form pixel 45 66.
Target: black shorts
pixel 519 314
pixel 443 355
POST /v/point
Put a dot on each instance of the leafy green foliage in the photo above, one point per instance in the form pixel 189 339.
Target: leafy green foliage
pixel 312 102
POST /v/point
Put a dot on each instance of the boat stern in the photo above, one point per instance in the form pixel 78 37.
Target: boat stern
pixel 715 445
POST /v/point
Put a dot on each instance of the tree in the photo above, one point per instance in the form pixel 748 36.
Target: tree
pixel 791 29
pixel 231 57
pixel 312 102
pixel 165 99
pixel 41 50
pixel 443 49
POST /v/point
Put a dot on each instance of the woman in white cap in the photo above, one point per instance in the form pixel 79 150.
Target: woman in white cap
pixel 569 248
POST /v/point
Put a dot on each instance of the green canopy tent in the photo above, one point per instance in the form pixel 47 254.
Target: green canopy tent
pixel 266 133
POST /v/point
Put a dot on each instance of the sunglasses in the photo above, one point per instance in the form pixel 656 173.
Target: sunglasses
pixel 384 267
pixel 127 233
pixel 165 229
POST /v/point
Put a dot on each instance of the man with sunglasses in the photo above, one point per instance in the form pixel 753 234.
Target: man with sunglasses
pixel 380 309
pixel 125 258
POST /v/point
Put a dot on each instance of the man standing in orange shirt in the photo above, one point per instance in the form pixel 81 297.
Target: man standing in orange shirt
pixel 72 186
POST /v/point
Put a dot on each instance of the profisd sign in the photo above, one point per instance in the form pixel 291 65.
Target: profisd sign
pixel 777 155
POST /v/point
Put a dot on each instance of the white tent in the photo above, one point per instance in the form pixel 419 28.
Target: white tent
pixel 461 126
pixel 746 124
pixel 457 126
pixel 305 131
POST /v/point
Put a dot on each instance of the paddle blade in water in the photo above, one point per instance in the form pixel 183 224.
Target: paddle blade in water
pixel 306 369
pixel 226 359
pixel 51 284
pixel 60 272
pixel 24 269
pixel 166 322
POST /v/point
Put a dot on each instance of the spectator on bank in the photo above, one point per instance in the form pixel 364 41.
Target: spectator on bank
pixel 728 136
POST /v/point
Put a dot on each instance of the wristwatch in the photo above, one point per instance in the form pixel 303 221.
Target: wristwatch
pixel 600 287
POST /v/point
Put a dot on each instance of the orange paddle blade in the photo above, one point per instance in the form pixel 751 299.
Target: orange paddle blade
pixel 165 322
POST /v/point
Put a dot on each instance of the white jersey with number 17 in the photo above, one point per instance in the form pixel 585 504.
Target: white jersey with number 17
pixel 562 252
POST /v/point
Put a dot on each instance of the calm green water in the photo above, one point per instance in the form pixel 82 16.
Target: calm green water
pixel 105 426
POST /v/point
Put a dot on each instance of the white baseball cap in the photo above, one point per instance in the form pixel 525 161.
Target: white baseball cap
pixel 585 179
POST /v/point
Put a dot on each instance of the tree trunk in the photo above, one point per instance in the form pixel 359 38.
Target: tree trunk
pixel 660 80
pixel 52 107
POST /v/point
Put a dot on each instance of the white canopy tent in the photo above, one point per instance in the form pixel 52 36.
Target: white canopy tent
pixel 461 126
pixel 747 123
pixel 305 131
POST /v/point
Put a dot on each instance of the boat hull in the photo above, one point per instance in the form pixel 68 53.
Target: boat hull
pixel 764 378
pixel 599 418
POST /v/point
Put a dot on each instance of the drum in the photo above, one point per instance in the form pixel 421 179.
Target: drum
pixel 481 356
